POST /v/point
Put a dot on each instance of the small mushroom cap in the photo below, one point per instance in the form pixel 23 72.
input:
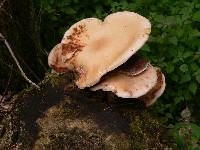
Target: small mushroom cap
pixel 134 66
pixel 126 86
pixel 93 47
pixel 159 92
pixel 151 97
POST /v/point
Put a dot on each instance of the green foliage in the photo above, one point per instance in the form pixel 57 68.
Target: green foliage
pixel 187 135
pixel 59 15
pixel 173 44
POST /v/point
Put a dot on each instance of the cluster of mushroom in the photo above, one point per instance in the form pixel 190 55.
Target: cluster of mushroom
pixel 95 50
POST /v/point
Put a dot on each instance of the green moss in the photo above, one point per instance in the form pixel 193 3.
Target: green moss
pixel 52 78
pixel 145 131
pixel 73 139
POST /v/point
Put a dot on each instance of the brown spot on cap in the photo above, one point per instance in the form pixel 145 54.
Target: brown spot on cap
pixel 73 45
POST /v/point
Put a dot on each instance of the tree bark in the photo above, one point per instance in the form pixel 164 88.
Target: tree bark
pixel 19 25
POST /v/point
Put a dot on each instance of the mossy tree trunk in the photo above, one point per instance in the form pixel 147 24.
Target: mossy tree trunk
pixel 61 116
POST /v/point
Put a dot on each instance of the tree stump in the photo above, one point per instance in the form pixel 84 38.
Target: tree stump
pixel 61 116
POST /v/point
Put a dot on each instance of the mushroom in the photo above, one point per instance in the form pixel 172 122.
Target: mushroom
pixel 151 97
pixel 56 60
pixel 129 86
pixel 92 47
pixel 134 66
pixel 146 86
pixel 95 50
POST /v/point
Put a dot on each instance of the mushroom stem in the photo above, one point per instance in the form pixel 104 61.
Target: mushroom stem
pixel 2 38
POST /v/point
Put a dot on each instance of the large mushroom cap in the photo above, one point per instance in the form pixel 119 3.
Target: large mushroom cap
pixel 126 86
pixel 94 47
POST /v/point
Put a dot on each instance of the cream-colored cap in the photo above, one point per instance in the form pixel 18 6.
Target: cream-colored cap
pixel 93 47
pixel 126 86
